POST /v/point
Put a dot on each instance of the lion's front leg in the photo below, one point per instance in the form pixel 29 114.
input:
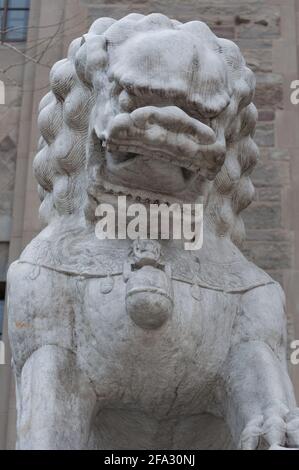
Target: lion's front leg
pixel 56 402
pixel 261 409
pixel 258 398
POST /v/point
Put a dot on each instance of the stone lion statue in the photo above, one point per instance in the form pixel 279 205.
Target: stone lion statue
pixel 144 345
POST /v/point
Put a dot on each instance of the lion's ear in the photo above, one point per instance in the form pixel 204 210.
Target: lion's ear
pixel 91 57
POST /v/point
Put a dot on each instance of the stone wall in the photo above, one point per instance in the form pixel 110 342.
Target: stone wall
pixel 54 24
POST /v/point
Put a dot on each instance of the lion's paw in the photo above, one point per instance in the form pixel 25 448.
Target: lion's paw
pixel 276 426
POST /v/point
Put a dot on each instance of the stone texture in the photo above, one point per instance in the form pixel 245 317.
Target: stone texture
pixel 7 164
pixel 269 91
pixel 269 255
pixel 7 177
pixel 258 21
pixel 263 216
pixel 134 344
pixel 264 134
pixel 276 154
pixel 6 199
pixel 269 173
pixel 285 62
pixel 268 235
pixel 266 115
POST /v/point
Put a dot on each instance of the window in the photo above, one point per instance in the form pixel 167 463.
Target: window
pixel 14 19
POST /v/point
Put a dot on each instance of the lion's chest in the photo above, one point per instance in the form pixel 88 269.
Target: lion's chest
pixel 180 357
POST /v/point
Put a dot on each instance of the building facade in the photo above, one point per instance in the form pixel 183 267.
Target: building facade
pixel 36 33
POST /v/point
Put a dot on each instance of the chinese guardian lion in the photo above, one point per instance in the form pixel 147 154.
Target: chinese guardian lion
pixel 144 345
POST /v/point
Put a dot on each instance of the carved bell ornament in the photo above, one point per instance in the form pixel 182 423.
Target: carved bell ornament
pixel 149 295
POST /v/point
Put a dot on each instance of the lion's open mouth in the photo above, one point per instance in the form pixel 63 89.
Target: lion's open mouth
pixel 159 149
pixel 167 134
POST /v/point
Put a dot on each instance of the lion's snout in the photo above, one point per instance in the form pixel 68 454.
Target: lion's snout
pixel 167 133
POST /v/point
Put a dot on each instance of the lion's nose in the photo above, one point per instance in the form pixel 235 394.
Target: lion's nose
pixel 169 134
pixel 175 120
pixel 165 120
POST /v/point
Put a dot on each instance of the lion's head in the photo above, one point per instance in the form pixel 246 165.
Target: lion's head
pixel 152 108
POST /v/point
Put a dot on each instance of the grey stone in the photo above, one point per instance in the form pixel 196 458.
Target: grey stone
pixel 258 59
pixel 269 255
pixel 5 227
pixel 3 260
pixel 277 235
pixel 7 164
pixel 269 194
pixel 266 115
pixel 263 216
pixel 6 199
pixel 264 134
pixel 269 173
pixel 259 22
pixel 276 154
pixel 121 344
pixel 254 43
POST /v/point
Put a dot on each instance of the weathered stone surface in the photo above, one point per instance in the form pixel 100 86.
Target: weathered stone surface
pixel 227 32
pixel 268 235
pixel 258 59
pixel 269 173
pixel 264 134
pixel 6 199
pixel 6 202
pixel 5 227
pixel 1 316
pixel 7 164
pixel 277 275
pixel 269 255
pixel 254 43
pixel 275 154
pixel 266 115
pixel 259 22
pixel 263 216
pixel 269 92
pixel 126 342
